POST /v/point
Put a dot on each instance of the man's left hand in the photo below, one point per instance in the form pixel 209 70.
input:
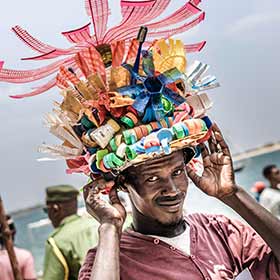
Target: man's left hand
pixel 217 178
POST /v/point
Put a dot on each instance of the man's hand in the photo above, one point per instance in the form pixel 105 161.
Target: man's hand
pixel 217 178
pixel 111 218
pixel 101 210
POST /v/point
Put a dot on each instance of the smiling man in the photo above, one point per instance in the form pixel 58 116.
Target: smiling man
pixel 163 243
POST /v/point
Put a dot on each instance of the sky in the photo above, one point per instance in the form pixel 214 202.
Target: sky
pixel 242 50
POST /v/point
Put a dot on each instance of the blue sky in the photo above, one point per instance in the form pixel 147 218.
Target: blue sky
pixel 242 49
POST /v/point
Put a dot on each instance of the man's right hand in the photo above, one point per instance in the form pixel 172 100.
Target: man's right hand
pixel 101 210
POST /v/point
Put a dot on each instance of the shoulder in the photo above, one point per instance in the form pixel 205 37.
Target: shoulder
pixel 270 192
pixel 269 197
pixel 266 191
pixel 82 226
pixel 74 227
pixel 128 237
pixel 128 240
pixel 81 222
pixel 218 223
pixel 23 254
pixel 200 219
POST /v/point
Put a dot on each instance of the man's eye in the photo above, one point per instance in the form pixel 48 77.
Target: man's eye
pixel 177 172
pixel 152 179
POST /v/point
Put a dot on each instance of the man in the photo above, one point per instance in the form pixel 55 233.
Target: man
pixel 66 247
pixel 162 244
pixel 270 197
pixel 24 258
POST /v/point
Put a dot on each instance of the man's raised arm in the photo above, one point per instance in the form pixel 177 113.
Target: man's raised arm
pixel 218 180
pixel 106 264
pixel 267 226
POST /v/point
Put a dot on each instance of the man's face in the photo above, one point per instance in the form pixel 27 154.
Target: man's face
pixel 53 211
pixel 275 175
pixel 158 188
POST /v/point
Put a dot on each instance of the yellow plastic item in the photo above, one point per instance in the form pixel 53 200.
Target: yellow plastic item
pixel 114 125
pixel 168 55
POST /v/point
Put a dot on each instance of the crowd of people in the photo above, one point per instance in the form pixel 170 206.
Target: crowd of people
pixel 158 239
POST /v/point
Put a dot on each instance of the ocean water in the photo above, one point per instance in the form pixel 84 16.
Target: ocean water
pixel 32 236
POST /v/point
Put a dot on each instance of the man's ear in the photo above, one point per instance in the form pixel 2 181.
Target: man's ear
pixel 56 207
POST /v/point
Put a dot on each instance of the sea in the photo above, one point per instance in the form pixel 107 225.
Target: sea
pixel 33 226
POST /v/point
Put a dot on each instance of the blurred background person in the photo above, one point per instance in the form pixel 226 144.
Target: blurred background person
pixel 270 197
pixel 24 258
pixel 73 236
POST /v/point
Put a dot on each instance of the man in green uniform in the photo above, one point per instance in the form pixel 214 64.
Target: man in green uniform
pixel 73 236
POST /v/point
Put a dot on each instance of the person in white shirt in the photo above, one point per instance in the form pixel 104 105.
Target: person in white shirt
pixel 270 197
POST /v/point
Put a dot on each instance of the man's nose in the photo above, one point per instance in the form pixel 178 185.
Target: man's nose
pixel 169 187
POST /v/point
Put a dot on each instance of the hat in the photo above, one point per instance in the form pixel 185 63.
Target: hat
pixel 130 114
pixel 129 94
pixel 61 193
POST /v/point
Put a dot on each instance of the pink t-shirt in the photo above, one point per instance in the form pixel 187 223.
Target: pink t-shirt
pixel 220 248
pixel 25 261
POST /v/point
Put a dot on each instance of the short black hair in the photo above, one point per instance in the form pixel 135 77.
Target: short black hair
pixel 267 170
pixel 12 228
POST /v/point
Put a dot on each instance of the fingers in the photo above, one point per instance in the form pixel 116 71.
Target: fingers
pixel 205 155
pixel 213 143
pixel 113 196
pixel 97 186
pixel 92 192
pixel 91 201
pixel 91 197
pixel 86 189
pixel 115 201
pixel 216 128
pixel 194 177
pixel 220 140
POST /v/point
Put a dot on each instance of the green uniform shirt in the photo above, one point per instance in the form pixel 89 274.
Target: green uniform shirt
pixel 74 237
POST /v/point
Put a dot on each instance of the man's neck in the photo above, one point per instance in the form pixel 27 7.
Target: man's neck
pixel 275 185
pixel 148 226
pixel 61 220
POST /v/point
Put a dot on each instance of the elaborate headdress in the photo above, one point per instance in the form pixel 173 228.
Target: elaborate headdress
pixel 125 99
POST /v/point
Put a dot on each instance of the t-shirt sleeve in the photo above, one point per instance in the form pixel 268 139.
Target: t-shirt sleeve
pixel 250 250
pixel 28 271
pixel 86 268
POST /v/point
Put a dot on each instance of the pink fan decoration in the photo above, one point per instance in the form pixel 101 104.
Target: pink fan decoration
pixel 120 38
